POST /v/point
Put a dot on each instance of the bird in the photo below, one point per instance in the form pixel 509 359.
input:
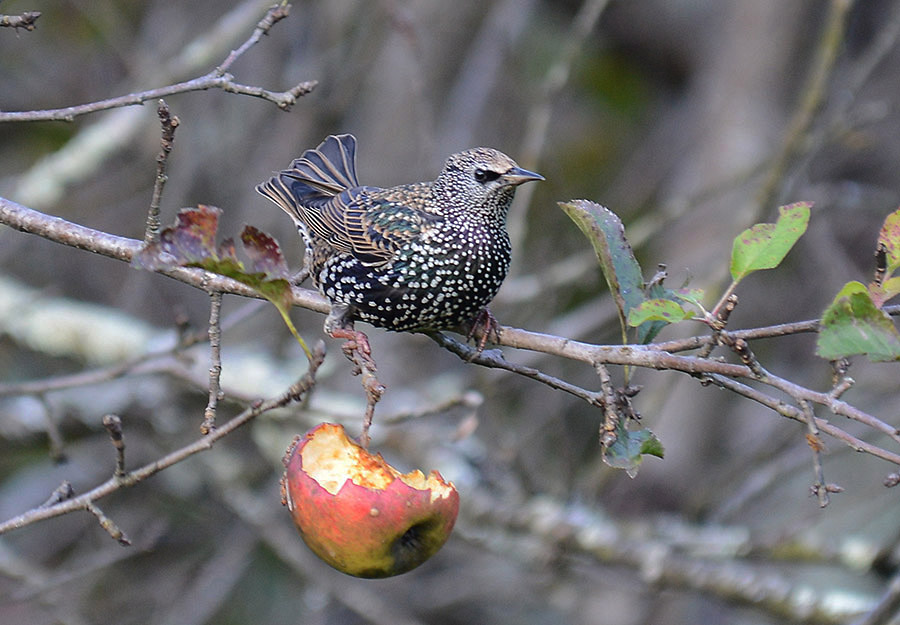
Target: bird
pixel 414 257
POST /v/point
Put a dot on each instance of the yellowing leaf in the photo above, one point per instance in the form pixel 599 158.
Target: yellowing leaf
pixel 664 310
pixel 854 325
pixel 764 246
pixel 889 237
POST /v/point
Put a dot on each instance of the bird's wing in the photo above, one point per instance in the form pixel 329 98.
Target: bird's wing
pixel 370 227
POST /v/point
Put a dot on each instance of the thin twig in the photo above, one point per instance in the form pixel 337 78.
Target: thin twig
pixel 169 125
pixel 122 248
pixel 493 358
pixel 275 14
pixel 62 492
pixel 108 524
pixel 813 98
pixel 819 488
pixel 364 367
pixel 294 393
pixel 216 79
pixel 283 99
pixel 113 425
pixel 792 412
pixel 610 415
pixel 74 235
pixel 24 20
pixel 215 365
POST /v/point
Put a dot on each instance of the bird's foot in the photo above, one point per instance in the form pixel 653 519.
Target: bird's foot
pixel 356 345
pixel 483 327
pixel 357 350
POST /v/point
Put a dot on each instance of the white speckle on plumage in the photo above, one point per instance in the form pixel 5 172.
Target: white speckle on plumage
pixel 418 256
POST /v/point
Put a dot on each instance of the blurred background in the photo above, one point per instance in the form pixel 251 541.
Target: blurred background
pixel 671 112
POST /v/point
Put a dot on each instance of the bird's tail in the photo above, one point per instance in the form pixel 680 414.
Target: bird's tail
pixel 316 176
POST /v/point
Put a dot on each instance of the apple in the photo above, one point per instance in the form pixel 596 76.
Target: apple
pixel 358 513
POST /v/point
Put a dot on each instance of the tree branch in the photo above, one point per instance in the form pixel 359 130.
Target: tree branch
pixel 645 356
pixel 116 482
pixel 216 79
pixel 24 20
pixel 283 99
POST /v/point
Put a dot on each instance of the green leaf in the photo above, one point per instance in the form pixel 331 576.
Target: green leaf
pixel 764 246
pixel 630 447
pixel 190 242
pixel 605 231
pixel 665 310
pixel 853 325
pixel 648 330
pixel 889 237
pixel 691 296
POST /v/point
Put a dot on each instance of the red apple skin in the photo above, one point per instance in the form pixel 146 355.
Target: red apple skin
pixel 376 524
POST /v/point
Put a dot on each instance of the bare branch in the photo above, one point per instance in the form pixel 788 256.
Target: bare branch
pixel 216 79
pixel 63 491
pixel 819 488
pixel 646 356
pixel 24 20
pixel 792 412
pixel 86 501
pixel 215 365
pixel 275 14
pixel 122 248
pixel 113 425
pixel 283 99
pixel 494 359
pixel 108 524
pixel 169 125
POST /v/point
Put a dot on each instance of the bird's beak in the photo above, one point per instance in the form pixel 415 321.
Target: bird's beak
pixel 517 176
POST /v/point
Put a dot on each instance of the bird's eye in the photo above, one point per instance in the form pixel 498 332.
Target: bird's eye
pixel 483 175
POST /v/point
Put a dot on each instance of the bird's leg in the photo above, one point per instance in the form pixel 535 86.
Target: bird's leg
pixel 356 341
pixel 482 327
pixel 339 325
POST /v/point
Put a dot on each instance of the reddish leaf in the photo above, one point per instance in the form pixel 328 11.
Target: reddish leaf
pixel 264 253
pixel 889 237
pixel 191 242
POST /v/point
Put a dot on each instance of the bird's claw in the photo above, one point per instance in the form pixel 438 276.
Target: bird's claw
pixel 356 348
pixel 483 327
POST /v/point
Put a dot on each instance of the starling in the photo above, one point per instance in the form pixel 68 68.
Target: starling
pixel 421 256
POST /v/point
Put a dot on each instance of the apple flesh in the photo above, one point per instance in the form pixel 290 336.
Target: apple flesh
pixel 358 513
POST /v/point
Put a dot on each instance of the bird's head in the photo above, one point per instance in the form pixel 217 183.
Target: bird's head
pixel 482 180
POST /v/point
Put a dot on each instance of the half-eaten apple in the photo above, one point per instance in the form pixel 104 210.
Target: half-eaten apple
pixel 358 513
